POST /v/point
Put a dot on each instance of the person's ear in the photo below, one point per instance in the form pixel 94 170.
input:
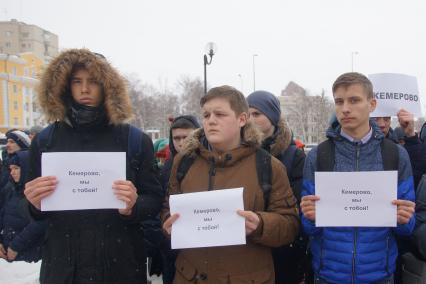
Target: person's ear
pixel 372 104
pixel 243 118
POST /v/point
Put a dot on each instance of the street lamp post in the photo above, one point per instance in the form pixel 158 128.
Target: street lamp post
pixel 353 53
pixel 210 50
pixel 241 81
pixel 254 74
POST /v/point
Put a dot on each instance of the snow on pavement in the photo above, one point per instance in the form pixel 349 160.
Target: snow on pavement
pixel 19 272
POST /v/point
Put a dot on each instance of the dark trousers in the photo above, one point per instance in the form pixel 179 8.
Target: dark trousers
pixel 290 264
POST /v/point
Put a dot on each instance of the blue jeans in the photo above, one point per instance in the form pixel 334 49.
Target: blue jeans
pixel 388 280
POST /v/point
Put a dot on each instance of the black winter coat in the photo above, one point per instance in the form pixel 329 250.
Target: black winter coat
pixel 290 261
pixel 417 152
pixel 17 232
pixel 97 246
pixel 419 234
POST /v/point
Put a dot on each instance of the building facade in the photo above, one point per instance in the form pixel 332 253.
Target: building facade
pixel 18 80
pixel 17 37
pixel 24 50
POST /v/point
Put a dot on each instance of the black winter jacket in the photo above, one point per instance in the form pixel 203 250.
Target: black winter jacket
pixel 97 246
pixel 18 232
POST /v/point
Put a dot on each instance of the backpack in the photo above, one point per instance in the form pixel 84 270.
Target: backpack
pixel 326 155
pixel 134 142
pixel 287 158
pixel 263 169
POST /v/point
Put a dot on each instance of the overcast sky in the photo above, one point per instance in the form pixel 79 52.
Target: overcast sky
pixel 309 42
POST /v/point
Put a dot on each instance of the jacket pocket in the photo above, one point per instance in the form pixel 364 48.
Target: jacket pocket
pixel 185 269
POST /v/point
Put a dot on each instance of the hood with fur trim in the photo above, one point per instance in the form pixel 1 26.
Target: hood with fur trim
pixel 251 137
pixel 54 86
pixel 281 139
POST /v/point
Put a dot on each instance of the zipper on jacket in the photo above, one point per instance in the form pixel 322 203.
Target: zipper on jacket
pixel 358 145
pixel 354 255
pixel 212 173
pixel 321 254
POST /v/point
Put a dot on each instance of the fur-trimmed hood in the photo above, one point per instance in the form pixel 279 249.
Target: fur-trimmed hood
pixel 54 85
pixel 251 137
pixel 281 139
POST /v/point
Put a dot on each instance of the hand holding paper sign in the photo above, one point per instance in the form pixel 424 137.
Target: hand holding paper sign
pixel 205 219
pixel 86 181
pixel 406 120
pixel 308 206
pixel 393 92
pixel 125 191
pixel 251 220
pixel 405 210
pixel 39 188
pixel 11 254
pixel 167 226
pixel 3 253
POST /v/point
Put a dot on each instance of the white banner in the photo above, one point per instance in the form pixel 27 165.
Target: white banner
pixel 356 199
pixel 84 180
pixel 208 219
pixel 393 92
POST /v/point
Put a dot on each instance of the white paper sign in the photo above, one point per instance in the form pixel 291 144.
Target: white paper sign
pixel 356 199
pixel 84 179
pixel 393 92
pixel 208 219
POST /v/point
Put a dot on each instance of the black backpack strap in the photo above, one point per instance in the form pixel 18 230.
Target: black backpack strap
pixel 390 155
pixel 130 140
pixel 183 167
pixel 134 146
pixel 264 173
pixel 288 158
pixel 325 156
pixel 45 137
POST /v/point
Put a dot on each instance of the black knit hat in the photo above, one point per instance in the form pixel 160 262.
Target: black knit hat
pixel 266 103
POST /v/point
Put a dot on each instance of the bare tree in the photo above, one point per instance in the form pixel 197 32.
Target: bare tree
pixel 152 107
pixel 136 97
pixel 191 90
pixel 308 116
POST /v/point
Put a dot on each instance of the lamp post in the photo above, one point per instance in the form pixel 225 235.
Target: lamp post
pixel 353 53
pixel 210 50
pixel 254 74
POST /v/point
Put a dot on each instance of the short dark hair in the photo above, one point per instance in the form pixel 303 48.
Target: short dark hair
pixel 235 98
pixel 347 79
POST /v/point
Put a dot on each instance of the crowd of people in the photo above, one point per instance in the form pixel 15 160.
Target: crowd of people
pixel 239 142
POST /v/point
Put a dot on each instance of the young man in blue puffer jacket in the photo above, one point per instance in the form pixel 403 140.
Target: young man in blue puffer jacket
pixel 356 254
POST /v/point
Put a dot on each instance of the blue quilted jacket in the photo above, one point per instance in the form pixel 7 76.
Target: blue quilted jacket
pixel 356 254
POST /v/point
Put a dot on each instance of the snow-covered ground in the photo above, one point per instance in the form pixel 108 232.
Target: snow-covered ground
pixel 21 272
